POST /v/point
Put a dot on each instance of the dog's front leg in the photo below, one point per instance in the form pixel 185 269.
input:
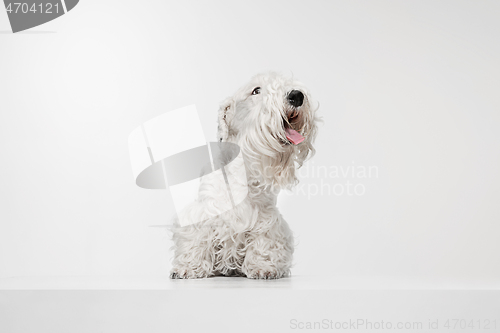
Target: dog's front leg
pixel 194 254
pixel 270 254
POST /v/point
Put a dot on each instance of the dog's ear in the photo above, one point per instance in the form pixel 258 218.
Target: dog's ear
pixel 226 112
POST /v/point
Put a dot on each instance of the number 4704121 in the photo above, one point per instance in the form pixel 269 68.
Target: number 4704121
pixel 42 8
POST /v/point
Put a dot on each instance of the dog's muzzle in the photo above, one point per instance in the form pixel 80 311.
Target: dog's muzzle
pixel 295 98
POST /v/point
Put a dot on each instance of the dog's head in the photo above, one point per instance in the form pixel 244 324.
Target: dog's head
pixel 271 118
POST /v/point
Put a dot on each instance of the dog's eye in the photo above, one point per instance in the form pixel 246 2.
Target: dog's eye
pixel 256 91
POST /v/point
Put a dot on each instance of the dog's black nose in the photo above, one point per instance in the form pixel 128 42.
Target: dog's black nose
pixel 296 98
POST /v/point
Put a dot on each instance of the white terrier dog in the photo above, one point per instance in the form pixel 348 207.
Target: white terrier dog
pixel 272 120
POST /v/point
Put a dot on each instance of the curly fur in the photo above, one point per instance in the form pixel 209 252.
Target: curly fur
pixel 253 239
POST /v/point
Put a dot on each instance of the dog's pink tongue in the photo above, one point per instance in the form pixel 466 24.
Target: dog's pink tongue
pixel 293 136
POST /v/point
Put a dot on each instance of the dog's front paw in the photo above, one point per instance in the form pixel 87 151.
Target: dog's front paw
pixel 266 274
pixel 179 274
pixel 183 273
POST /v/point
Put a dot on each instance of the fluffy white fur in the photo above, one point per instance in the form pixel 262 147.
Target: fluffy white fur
pixel 253 239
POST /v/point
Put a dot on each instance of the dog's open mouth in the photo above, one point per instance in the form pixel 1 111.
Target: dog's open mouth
pixel 290 124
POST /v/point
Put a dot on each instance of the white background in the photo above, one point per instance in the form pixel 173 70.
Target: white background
pixel 410 87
